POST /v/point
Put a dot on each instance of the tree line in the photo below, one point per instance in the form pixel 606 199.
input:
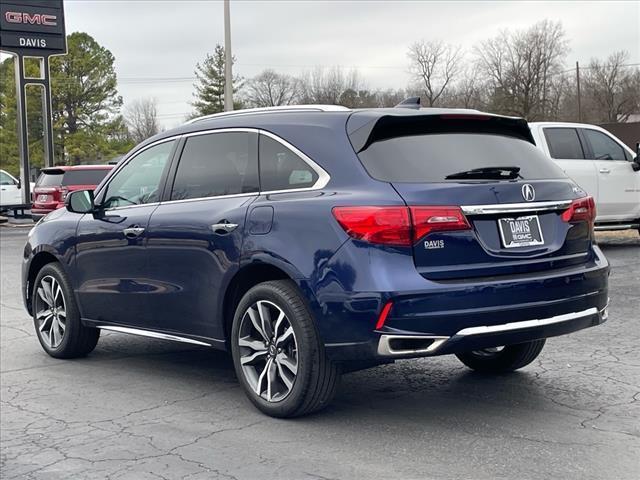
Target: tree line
pixel 521 73
pixel 518 72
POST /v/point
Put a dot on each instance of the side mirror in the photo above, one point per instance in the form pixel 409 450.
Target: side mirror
pixel 80 201
pixel 19 184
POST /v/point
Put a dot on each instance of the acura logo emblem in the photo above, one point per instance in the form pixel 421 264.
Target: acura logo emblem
pixel 528 193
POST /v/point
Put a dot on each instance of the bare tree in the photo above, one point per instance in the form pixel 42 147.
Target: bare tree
pixel 270 89
pixel 434 66
pixel 519 68
pixel 322 86
pixel 141 118
pixel 612 90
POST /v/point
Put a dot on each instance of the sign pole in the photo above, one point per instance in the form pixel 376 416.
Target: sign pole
pixel 47 116
pixel 32 29
pixel 23 141
pixel 228 60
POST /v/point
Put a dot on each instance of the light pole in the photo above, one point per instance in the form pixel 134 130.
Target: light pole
pixel 228 76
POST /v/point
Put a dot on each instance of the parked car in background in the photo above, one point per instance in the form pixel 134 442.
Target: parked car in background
pixel 54 183
pixel 601 164
pixel 10 190
pixel 310 241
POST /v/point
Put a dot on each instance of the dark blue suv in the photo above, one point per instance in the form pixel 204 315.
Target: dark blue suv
pixel 312 240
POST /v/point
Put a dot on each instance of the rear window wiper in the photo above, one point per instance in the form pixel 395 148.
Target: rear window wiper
pixel 488 173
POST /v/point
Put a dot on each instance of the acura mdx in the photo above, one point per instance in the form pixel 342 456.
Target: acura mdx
pixel 311 241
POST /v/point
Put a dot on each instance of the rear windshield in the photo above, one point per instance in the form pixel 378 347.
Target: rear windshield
pixel 433 157
pixel 84 177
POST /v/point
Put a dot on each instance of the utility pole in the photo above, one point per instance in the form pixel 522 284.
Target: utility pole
pixel 578 92
pixel 228 76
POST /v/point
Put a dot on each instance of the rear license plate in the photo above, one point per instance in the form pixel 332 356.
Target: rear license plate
pixel 43 198
pixel 521 231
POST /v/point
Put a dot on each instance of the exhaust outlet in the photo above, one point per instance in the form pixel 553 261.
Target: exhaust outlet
pixel 398 345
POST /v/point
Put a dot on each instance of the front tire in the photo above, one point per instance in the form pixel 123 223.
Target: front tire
pixel 56 316
pixel 502 359
pixel 277 353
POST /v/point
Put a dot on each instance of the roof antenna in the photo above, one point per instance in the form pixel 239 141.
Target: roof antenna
pixel 411 102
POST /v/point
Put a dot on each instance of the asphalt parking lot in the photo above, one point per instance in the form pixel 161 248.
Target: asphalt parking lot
pixel 139 408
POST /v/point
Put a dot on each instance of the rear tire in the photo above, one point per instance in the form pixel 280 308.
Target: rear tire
pixel 507 359
pixel 56 316
pixel 278 356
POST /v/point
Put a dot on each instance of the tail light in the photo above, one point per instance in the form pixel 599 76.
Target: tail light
pixel 63 193
pixel 437 219
pixel 581 210
pixel 398 226
pixel 383 225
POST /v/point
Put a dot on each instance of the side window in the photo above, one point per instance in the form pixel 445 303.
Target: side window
pixel 5 179
pixel 282 169
pixel 603 146
pixel 138 182
pixel 217 164
pixel 564 143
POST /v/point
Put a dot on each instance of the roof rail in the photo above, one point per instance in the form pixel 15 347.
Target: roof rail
pixel 281 109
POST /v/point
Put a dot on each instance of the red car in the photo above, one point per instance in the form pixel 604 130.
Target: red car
pixel 55 182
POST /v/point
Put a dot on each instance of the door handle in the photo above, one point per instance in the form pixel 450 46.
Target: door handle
pixel 223 228
pixel 133 232
pixel 605 170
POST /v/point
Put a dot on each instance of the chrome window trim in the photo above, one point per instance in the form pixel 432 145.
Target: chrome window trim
pixel 200 199
pixel 323 176
pixel 514 207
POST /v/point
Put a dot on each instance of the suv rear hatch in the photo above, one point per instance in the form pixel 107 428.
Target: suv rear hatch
pixel 483 200
pixel 54 183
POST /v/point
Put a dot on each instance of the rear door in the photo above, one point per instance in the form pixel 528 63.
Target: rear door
pixel 566 148
pixel 502 220
pixel 618 183
pixel 195 236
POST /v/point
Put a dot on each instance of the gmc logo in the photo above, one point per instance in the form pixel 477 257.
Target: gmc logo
pixel 31 18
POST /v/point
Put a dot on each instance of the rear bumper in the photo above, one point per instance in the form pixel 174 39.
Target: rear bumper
pixel 457 316
pixel 486 336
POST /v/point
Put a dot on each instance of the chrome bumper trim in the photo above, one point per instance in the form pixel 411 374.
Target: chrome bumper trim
pixel 385 349
pixel 507 327
pixel 514 207
pixel 148 333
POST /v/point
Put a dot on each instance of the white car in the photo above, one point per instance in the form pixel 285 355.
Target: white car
pixel 600 164
pixel 10 192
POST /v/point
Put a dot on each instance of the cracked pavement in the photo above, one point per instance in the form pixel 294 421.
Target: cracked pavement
pixel 139 408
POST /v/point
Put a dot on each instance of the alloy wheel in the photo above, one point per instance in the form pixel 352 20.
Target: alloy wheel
pixel 51 311
pixel 488 352
pixel 268 351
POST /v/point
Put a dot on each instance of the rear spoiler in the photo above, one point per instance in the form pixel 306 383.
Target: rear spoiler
pixel 367 127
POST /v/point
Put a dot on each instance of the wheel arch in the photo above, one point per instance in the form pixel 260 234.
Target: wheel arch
pixel 39 260
pixel 246 278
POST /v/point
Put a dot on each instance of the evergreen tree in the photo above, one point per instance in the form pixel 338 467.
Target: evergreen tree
pixel 209 94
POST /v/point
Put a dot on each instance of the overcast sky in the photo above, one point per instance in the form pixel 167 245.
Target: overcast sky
pixel 157 43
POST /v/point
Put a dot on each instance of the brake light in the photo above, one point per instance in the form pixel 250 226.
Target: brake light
pixel 63 193
pixel 581 210
pixel 398 226
pixel 383 225
pixel 437 219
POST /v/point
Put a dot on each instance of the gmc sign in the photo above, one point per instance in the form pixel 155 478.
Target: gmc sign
pixel 32 27
pixel 31 19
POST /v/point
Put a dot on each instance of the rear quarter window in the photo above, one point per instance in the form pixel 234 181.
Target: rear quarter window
pixel 49 179
pixel 432 157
